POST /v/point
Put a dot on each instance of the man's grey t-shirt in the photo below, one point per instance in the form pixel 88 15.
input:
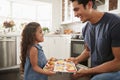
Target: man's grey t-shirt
pixel 101 37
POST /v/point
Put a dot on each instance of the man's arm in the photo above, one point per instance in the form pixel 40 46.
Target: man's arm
pixel 84 55
pixel 113 65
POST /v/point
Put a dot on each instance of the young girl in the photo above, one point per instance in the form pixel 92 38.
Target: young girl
pixel 32 56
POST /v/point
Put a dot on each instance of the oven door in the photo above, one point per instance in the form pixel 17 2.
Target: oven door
pixel 77 46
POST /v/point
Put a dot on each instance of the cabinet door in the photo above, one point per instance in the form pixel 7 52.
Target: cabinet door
pixel 44 47
pixel 62 47
pixel 67 46
pixel 48 47
pixel 51 46
pixel 66 11
pixel 58 47
pixel 18 41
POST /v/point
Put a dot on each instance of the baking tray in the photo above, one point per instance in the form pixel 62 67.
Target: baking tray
pixel 61 65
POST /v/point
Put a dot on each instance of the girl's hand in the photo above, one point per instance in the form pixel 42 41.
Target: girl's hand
pixel 50 73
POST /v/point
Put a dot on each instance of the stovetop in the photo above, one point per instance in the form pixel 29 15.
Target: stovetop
pixel 77 36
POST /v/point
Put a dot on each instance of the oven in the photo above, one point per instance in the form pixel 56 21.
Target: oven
pixel 77 46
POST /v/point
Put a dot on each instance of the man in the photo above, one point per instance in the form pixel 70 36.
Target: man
pixel 102 41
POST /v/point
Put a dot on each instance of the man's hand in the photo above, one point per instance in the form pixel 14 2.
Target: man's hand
pixel 82 72
pixel 72 59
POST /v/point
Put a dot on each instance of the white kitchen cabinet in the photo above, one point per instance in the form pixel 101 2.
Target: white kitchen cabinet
pixel 18 40
pixel 67 12
pixel 57 46
pixel 47 47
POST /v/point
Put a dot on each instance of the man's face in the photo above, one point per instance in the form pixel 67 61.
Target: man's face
pixel 81 12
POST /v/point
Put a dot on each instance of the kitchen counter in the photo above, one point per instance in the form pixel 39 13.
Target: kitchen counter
pixel 55 35
pixel 10 73
pixel 10 34
pixel 46 35
pixel 12 68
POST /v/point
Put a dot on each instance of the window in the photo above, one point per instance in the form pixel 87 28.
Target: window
pixel 113 4
pixel 44 15
pixel 4 8
pixel 4 12
pixel 25 11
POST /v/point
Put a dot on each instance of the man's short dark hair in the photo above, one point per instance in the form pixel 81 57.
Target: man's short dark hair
pixel 84 2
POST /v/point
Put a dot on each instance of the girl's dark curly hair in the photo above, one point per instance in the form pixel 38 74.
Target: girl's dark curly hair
pixel 28 39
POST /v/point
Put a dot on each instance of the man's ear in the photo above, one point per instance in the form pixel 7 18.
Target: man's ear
pixel 89 5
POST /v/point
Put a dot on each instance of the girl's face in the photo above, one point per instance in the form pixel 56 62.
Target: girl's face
pixel 39 35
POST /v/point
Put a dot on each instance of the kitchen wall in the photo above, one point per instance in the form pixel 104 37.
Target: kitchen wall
pixel 76 26
pixel 56 14
pixel 48 1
